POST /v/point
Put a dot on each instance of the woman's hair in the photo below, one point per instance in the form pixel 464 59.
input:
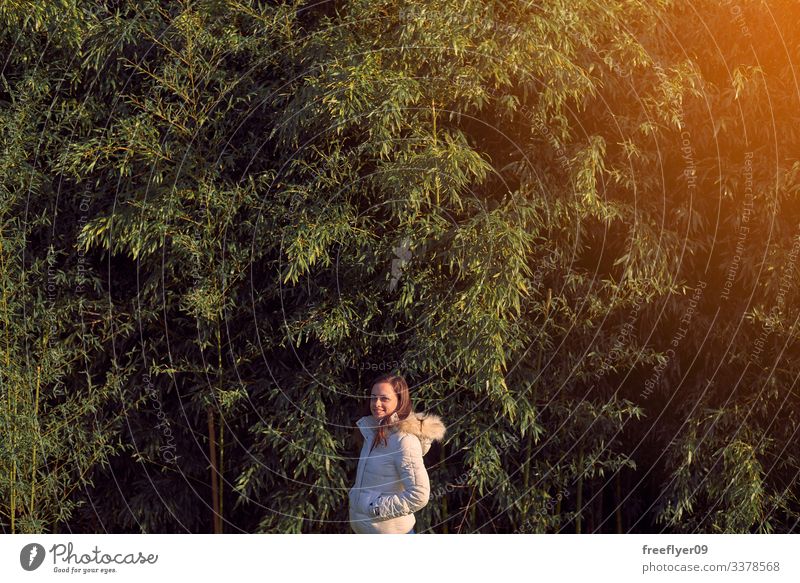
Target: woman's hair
pixel 403 405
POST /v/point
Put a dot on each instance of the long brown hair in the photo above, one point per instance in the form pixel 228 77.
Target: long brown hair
pixel 403 405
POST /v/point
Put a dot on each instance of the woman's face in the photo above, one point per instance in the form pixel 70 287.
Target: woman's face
pixel 383 400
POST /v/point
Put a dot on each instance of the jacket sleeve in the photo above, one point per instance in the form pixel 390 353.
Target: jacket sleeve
pixel 417 488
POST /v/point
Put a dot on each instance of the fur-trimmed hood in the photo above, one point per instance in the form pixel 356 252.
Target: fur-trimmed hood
pixel 427 427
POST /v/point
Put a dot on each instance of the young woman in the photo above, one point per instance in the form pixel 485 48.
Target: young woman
pixel 391 480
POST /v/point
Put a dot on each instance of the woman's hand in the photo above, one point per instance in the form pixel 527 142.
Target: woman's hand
pixel 374 509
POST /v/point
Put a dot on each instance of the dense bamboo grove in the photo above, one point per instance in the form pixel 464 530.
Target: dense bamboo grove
pixel 573 225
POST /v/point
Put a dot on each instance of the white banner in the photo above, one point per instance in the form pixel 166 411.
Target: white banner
pixel 352 558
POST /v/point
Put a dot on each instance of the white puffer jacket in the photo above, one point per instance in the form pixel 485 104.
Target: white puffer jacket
pixel 391 481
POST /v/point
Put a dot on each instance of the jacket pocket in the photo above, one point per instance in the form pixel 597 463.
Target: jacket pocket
pixel 363 499
pixel 372 499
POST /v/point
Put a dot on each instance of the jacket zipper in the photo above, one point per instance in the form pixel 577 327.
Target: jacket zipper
pixel 363 467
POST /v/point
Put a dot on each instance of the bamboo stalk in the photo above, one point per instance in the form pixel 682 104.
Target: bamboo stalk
pixel 12 403
pixel 473 514
pixel 435 178
pixel 598 511
pixel 14 465
pixel 526 472
pixel 433 109
pixel 618 511
pixel 529 448
pixel 36 415
pixel 212 451
pixel 221 425
pixel 13 494
pixel 445 522
pixel 579 495
pixel 466 510
pixel 219 473
pixel 5 315
pixel 558 513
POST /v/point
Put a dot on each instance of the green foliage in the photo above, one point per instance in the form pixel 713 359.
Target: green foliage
pixel 533 210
